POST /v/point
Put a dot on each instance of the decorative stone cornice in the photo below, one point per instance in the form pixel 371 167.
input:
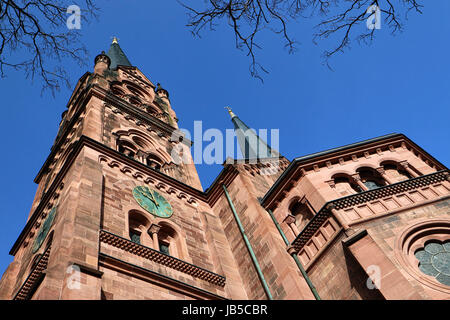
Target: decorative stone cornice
pixel 111 101
pixel 133 270
pixel 341 155
pixel 35 275
pixel 161 258
pixel 150 176
pixel 391 189
pixel 353 200
pixel 210 196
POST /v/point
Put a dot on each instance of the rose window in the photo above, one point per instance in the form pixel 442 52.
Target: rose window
pixel 434 260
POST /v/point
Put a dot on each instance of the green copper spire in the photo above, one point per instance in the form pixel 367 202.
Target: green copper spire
pixel 252 146
pixel 117 56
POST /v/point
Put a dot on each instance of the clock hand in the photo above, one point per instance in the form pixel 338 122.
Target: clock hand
pixel 149 194
pixel 154 200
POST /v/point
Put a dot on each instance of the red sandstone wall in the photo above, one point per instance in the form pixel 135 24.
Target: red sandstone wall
pixel 333 273
pixel 281 274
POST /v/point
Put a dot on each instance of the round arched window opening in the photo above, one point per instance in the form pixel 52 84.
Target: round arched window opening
pixel 370 178
pixel 154 162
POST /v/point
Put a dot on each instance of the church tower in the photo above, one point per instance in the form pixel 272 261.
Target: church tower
pixel 120 213
pixel 116 215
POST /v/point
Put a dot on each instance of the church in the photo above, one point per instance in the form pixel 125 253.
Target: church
pixel 116 217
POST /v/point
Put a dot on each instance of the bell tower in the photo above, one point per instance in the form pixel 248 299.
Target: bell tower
pixel 116 214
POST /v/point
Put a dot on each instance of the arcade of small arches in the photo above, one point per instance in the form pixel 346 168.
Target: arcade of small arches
pixel 367 178
pixel 136 146
pixel 364 179
pixel 136 96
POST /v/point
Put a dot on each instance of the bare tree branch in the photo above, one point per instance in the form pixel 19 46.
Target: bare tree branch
pixel 34 38
pixel 248 18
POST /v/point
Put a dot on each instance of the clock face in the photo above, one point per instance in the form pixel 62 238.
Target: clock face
pixel 45 228
pixel 152 202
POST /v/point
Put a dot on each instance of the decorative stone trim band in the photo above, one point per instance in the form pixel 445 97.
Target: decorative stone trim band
pixel 34 277
pixel 310 229
pixel 161 258
pixel 392 189
pixel 364 197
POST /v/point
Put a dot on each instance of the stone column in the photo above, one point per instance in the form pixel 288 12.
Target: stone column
pixel 384 175
pixel 357 179
pixel 406 166
pixel 154 229
pixel 290 220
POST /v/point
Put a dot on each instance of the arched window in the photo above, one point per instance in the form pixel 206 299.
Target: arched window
pixel 168 241
pixel 395 172
pixel 370 178
pixel 153 110
pixel 127 149
pixel 345 186
pixel 154 162
pixel 134 100
pixel 138 225
pixel 117 90
pixel 302 212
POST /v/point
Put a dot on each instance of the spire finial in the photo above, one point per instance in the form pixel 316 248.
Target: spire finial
pixel 232 115
pixel 159 88
pixel 115 40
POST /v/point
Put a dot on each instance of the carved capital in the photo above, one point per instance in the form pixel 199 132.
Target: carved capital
pixel 154 228
pixel 356 177
pixel 404 164
pixel 380 170
pixel 289 219
pixel 331 183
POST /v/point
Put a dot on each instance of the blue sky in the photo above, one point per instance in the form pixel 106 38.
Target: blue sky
pixel 398 84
